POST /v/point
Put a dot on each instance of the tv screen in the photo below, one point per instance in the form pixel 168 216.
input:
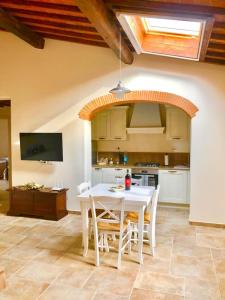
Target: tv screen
pixel 41 146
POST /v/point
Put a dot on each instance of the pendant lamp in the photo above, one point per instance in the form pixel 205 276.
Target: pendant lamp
pixel 119 91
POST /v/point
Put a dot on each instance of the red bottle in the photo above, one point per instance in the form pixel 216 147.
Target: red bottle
pixel 127 181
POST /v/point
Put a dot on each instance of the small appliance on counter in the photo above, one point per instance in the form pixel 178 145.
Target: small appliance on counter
pixel 166 159
pixel 123 158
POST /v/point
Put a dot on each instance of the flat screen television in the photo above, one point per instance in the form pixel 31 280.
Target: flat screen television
pixel 41 146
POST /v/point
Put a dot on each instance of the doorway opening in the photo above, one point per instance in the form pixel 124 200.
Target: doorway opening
pixel 5 154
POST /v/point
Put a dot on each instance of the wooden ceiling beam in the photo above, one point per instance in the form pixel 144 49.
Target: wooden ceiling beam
pixel 58 25
pixel 74 39
pixel 220 55
pixel 41 7
pixel 63 20
pixel 70 33
pixel 107 26
pixel 11 24
pixel 46 14
pixel 215 45
pixel 166 6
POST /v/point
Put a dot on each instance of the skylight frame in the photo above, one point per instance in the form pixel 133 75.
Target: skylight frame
pixel 205 31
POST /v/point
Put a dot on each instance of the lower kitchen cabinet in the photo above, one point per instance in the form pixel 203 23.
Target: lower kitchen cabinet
pixel 108 175
pixel 174 186
pixel 96 176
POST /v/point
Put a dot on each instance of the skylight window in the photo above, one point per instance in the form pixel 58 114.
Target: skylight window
pixel 165 35
pixel 171 26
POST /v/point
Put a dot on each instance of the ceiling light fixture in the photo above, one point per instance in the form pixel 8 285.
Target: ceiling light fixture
pixel 119 91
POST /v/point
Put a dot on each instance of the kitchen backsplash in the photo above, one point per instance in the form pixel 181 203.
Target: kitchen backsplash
pixel 134 157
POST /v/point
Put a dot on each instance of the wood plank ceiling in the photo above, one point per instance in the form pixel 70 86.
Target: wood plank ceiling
pixel 63 19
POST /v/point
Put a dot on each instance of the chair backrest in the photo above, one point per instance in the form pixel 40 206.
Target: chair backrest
pixel 154 204
pixel 83 187
pixel 112 210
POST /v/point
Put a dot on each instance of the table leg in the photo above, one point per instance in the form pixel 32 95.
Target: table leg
pixel 85 224
pixel 140 234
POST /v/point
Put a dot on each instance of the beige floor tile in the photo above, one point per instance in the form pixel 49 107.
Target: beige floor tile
pixel 48 256
pixel 210 241
pixel 154 264
pixel 22 289
pixel 39 271
pixel 112 280
pixel 220 267
pixel 66 292
pixel 198 289
pixel 57 242
pixel 211 231
pixel 108 296
pixel 222 288
pixel 160 283
pixel 14 229
pixel 75 276
pixel 191 250
pixel 192 266
pixel 218 253
pixel 10 264
pixel 42 230
pixel 11 238
pixel 22 252
pixel 139 294
pixel 28 222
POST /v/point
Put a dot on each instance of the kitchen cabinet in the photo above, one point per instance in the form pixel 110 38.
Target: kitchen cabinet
pixel 102 126
pixel 118 123
pixel 96 176
pixel 174 186
pixel 110 124
pixel 108 175
pixel 177 124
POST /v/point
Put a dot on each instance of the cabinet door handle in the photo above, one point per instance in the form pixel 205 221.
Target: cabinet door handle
pixel 176 138
pixel 102 138
pixel 119 177
pixel 118 169
pixel 97 169
pixel 172 171
pixel 117 138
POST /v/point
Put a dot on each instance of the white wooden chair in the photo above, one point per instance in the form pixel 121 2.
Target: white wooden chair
pixel 81 188
pixel 149 221
pixel 110 222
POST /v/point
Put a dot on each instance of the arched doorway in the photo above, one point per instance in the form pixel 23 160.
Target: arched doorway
pixel 105 102
pixel 100 103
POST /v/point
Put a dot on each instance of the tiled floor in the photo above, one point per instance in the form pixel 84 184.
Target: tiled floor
pixel 43 260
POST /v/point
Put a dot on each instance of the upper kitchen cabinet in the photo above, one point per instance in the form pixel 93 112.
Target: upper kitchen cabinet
pixel 100 126
pixel 118 123
pixel 110 124
pixel 177 124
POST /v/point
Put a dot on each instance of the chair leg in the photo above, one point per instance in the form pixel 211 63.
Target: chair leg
pixel 151 238
pixel 106 242
pixel 129 238
pixel 101 242
pixel 119 252
pixel 96 247
pixel 90 229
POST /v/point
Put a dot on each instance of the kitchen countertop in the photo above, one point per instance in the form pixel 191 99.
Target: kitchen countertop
pixel 138 167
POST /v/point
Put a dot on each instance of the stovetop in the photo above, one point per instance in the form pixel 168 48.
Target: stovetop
pixel 147 164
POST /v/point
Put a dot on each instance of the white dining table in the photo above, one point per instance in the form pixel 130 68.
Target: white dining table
pixel 136 199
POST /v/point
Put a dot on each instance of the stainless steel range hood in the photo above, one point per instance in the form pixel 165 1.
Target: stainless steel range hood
pixel 146 119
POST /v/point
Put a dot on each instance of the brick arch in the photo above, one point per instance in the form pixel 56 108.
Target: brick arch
pixel 100 103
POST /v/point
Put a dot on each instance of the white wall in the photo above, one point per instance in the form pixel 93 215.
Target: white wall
pixel 48 87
